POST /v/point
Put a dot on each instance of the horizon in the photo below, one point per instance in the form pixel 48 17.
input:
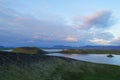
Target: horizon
pixel 50 46
pixel 65 22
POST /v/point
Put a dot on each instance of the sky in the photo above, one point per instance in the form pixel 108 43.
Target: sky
pixel 59 22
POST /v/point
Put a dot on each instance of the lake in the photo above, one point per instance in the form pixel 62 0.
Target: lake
pixel 95 58
pixel 52 50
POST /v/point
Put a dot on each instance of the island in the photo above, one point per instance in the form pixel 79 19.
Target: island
pixel 110 55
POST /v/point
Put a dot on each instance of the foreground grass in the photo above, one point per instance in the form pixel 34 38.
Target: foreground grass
pixel 40 67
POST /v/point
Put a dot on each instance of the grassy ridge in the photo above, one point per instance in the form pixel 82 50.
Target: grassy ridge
pixel 103 51
pixel 74 51
pixel 29 50
pixel 39 67
pixel 90 51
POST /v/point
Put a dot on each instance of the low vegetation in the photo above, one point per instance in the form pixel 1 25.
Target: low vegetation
pixel 73 51
pixel 28 50
pixel 16 66
pixel 93 51
pixel 90 51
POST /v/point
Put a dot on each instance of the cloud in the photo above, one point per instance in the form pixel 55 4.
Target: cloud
pixel 112 41
pixel 115 41
pixel 71 39
pixel 93 28
pixel 100 41
pixel 102 35
pixel 18 29
pixel 101 19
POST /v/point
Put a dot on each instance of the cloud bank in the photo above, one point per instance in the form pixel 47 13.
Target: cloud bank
pixel 101 19
pixel 18 29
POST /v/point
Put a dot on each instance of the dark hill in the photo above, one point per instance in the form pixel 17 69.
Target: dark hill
pixel 18 58
pixel 17 66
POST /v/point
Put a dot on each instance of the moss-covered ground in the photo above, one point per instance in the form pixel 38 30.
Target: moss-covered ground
pixel 15 66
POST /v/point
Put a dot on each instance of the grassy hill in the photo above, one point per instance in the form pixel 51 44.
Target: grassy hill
pixel 96 51
pixel 29 50
pixel 90 51
pixel 17 66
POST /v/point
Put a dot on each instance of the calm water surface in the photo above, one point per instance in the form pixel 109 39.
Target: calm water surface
pixel 10 50
pixel 52 50
pixel 96 58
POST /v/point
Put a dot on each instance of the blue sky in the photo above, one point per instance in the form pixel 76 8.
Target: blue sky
pixel 59 22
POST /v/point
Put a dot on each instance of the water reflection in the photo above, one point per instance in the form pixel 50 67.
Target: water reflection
pixel 52 50
pixel 96 58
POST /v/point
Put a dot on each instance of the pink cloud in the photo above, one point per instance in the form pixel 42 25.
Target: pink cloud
pixel 71 39
pixel 100 19
pixel 100 41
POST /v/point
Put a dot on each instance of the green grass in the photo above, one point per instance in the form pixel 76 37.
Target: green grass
pixel 28 50
pixel 73 51
pixel 103 51
pixel 90 51
pixel 39 67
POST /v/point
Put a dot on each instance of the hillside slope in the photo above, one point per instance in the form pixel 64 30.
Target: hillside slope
pixel 15 66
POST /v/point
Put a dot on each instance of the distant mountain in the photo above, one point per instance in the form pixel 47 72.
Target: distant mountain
pixel 101 47
pixel 62 47
pixel 2 47
pixel 86 47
